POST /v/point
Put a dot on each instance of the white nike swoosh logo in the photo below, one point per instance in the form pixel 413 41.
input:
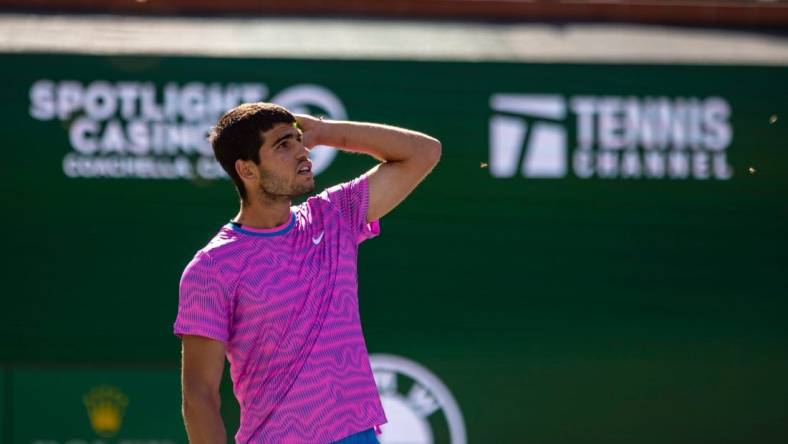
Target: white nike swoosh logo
pixel 316 240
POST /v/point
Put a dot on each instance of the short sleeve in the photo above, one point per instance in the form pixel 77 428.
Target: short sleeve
pixel 203 303
pixel 353 200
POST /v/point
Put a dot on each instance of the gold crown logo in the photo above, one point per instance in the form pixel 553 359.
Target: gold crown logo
pixel 106 405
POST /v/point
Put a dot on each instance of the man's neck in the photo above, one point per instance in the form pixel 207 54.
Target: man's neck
pixel 269 214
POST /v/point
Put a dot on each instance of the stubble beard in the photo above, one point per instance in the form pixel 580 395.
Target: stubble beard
pixel 273 187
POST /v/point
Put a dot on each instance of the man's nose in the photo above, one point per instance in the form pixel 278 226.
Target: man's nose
pixel 303 153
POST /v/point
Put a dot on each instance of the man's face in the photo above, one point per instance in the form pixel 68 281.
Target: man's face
pixel 284 170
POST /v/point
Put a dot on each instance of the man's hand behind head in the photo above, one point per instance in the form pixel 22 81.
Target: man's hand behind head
pixel 310 126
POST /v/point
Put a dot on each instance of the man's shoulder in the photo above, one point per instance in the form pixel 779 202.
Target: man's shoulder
pixel 223 245
pixel 316 202
pixel 335 192
pixel 210 261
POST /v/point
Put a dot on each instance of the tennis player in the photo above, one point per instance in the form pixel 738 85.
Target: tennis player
pixel 275 290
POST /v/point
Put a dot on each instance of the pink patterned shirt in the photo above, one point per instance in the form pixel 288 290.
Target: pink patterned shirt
pixel 285 303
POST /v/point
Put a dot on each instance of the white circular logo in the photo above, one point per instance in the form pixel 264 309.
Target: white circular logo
pixel 309 99
pixel 418 405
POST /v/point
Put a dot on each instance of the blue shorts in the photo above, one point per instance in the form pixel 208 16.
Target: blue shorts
pixel 365 437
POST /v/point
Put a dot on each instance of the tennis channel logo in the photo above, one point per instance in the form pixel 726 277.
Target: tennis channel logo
pixel 615 137
pixel 420 409
pixel 141 130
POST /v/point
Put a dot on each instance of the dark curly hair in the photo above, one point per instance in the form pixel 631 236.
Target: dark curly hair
pixel 239 135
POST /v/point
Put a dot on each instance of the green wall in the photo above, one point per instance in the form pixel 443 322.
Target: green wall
pixel 556 310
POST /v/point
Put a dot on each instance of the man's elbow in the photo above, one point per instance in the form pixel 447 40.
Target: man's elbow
pixel 432 152
pixel 200 399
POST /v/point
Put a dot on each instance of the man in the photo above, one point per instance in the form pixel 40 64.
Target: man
pixel 275 291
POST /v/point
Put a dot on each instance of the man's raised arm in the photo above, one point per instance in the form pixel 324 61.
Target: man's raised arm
pixel 407 156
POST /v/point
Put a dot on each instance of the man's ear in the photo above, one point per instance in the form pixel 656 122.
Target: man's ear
pixel 245 169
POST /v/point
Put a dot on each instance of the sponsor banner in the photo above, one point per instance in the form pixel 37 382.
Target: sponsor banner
pixel 139 130
pixel 616 137
pixel 92 406
pixel 418 405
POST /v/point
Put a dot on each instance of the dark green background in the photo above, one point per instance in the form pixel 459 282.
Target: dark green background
pixel 556 311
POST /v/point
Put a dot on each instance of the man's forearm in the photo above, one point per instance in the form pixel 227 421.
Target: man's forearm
pixel 385 143
pixel 204 423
